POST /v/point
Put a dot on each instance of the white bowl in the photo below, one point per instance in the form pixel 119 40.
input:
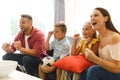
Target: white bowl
pixel 6 67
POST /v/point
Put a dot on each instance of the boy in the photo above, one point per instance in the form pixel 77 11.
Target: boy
pixel 60 45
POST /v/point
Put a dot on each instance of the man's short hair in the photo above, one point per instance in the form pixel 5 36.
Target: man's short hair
pixel 26 16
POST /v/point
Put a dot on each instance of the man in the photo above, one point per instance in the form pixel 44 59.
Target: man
pixel 30 42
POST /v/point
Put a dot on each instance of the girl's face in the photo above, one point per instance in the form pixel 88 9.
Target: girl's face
pixel 58 34
pixel 87 31
pixel 97 20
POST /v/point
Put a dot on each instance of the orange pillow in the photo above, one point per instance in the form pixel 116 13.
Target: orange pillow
pixel 73 63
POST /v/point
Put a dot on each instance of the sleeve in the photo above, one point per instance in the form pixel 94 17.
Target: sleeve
pixel 115 51
pixel 79 46
pixel 17 37
pixel 38 44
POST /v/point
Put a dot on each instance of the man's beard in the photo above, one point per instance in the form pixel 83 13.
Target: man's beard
pixel 24 30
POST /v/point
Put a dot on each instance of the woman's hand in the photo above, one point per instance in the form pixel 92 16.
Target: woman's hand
pixel 90 55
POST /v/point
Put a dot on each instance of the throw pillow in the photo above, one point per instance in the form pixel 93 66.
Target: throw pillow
pixel 73 63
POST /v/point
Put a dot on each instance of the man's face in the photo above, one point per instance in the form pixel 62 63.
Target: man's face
pixel 25 25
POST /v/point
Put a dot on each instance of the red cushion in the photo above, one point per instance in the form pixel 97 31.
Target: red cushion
pixel 73 63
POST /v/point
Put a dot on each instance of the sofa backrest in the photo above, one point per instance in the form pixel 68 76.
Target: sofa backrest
pixel 71 40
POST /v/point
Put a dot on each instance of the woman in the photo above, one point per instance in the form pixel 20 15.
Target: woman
pixel 108 62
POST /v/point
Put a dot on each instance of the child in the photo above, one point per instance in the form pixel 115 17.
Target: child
pixel 89 41
pixel 60 45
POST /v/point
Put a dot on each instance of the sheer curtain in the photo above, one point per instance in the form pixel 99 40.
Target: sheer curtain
pixel 59 11
pixel 70 16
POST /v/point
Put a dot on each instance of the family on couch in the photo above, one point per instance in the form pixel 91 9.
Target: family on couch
pixel 104 58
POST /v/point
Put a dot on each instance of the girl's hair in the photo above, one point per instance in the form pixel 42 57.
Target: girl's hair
pixel 61 25
pixel 109 24
pixel 95 33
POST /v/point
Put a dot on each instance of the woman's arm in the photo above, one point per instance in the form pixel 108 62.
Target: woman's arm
pixel 112 66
